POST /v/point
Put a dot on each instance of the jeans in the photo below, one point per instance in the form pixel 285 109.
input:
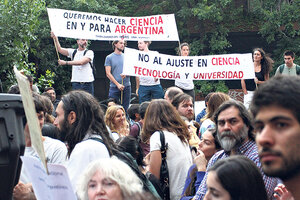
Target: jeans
pixel 115 93
pixel 147 93
pixel 86 86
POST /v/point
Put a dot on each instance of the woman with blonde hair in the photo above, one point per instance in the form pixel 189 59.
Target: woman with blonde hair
pixel 215 100
pixel 110 179
pixel 115 119
pixel 162 116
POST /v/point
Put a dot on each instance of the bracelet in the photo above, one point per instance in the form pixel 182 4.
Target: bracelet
pixel 66 62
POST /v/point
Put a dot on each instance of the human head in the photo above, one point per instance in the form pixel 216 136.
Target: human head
pixel 30 79
pixel 235 177
pixel 233 124
pixel 49 108
pixel 171 92
pixel 161 115
pixel 289 57
pixel 77 114
pixel 142 109
pixel 50 130
pixel 118 45
pixel 208 144
pixel 112 102
pixel 277 126
pixel 143 45
pixel 133 112
pixel 119 176
pixel 40 108
pixel 115 118
pixel 184 105
pixel 14 89
pixel 130 145
pixel 215 100
pixel 82 43
pixel 207 98
pixel 184 49
pixel 51 91
pixel 259 55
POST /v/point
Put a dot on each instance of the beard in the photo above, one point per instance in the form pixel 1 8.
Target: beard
pixel 64 130
pixel 289 168
pixel 230 140
pixel 119 49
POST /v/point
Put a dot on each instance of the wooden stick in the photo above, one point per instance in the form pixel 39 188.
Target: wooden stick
pixel 122 93
pixel 56 49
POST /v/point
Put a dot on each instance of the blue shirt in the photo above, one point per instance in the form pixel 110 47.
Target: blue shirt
pixel 248 149
pixel 116 62
pixel 201 115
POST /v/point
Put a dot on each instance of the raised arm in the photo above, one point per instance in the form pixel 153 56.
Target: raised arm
pixel 61 50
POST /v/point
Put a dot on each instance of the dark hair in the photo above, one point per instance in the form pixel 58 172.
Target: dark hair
pixel 29 77
pixel 50 130
pixel 39 103
pixel 89 117
pixel 266 62
pixel 243 113
pixel 14 89
pixel 282 91
pixel 247 182
pixel 48 88
pixel 112 100
pixel 161 115
pixel 130 145
pixel 172 92
pixel 206 99
pixel 214 134
pixel 181 97
pixel 142 109
pixel 289 53
pixel 115 42
pixel 132 110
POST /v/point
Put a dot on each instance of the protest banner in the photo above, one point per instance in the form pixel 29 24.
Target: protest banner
pixel 53 186
pixel 32 120
pixel 75 24
pixel 211 67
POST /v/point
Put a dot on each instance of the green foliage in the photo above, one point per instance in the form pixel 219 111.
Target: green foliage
pixel 205 87
pixel 47 80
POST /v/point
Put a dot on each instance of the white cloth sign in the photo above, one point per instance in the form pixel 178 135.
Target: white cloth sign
pixel 55 186
pixel 211 67
pixel 75 24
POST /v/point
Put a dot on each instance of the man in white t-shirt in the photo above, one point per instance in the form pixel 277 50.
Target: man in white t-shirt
pixel 55 151
pixel 147 88
pixel 81 62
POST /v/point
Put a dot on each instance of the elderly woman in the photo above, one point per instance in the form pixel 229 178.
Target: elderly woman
pixel 108 179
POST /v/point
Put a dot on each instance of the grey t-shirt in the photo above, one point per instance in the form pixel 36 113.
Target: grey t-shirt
pixel 116 62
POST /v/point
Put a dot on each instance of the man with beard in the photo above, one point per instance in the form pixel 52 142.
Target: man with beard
pixel 184 105
pixel 81 62
pixel 234 133
pixel 114 68
pixel 276 109
pixel 81 124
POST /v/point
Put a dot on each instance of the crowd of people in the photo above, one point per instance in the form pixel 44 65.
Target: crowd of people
pixel 235 150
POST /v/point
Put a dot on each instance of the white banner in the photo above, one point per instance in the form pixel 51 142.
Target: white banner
pixel 211 67
pixel 75 24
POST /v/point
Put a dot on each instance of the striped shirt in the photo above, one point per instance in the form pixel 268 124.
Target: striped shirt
pixel 248 149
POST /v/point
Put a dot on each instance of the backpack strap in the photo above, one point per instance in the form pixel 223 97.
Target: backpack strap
pixel 281 67
pixel 73 54
pixel 297 69
pixel 97 139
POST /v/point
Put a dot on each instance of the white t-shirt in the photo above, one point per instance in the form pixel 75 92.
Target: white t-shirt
pixel 148 81
pixel 55 150
pixel 179 159
pixel 83 153
pixel 82 73
pixel 184 84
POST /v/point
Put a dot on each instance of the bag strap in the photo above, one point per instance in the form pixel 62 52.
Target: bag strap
pixel 164 146
pixel 97 139
pixel 73 54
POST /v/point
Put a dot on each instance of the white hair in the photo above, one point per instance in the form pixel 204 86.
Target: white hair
pixel 114 169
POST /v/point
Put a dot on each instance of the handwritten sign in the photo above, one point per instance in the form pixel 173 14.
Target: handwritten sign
pixel 211 67
pixel 75 24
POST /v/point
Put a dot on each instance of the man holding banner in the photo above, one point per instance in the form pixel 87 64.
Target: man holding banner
pixel 120 86
pixel 147 88
pixel 81 62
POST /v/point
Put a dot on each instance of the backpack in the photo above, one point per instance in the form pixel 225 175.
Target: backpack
pixel 281 67
pixel 129 160
pixel 91 64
